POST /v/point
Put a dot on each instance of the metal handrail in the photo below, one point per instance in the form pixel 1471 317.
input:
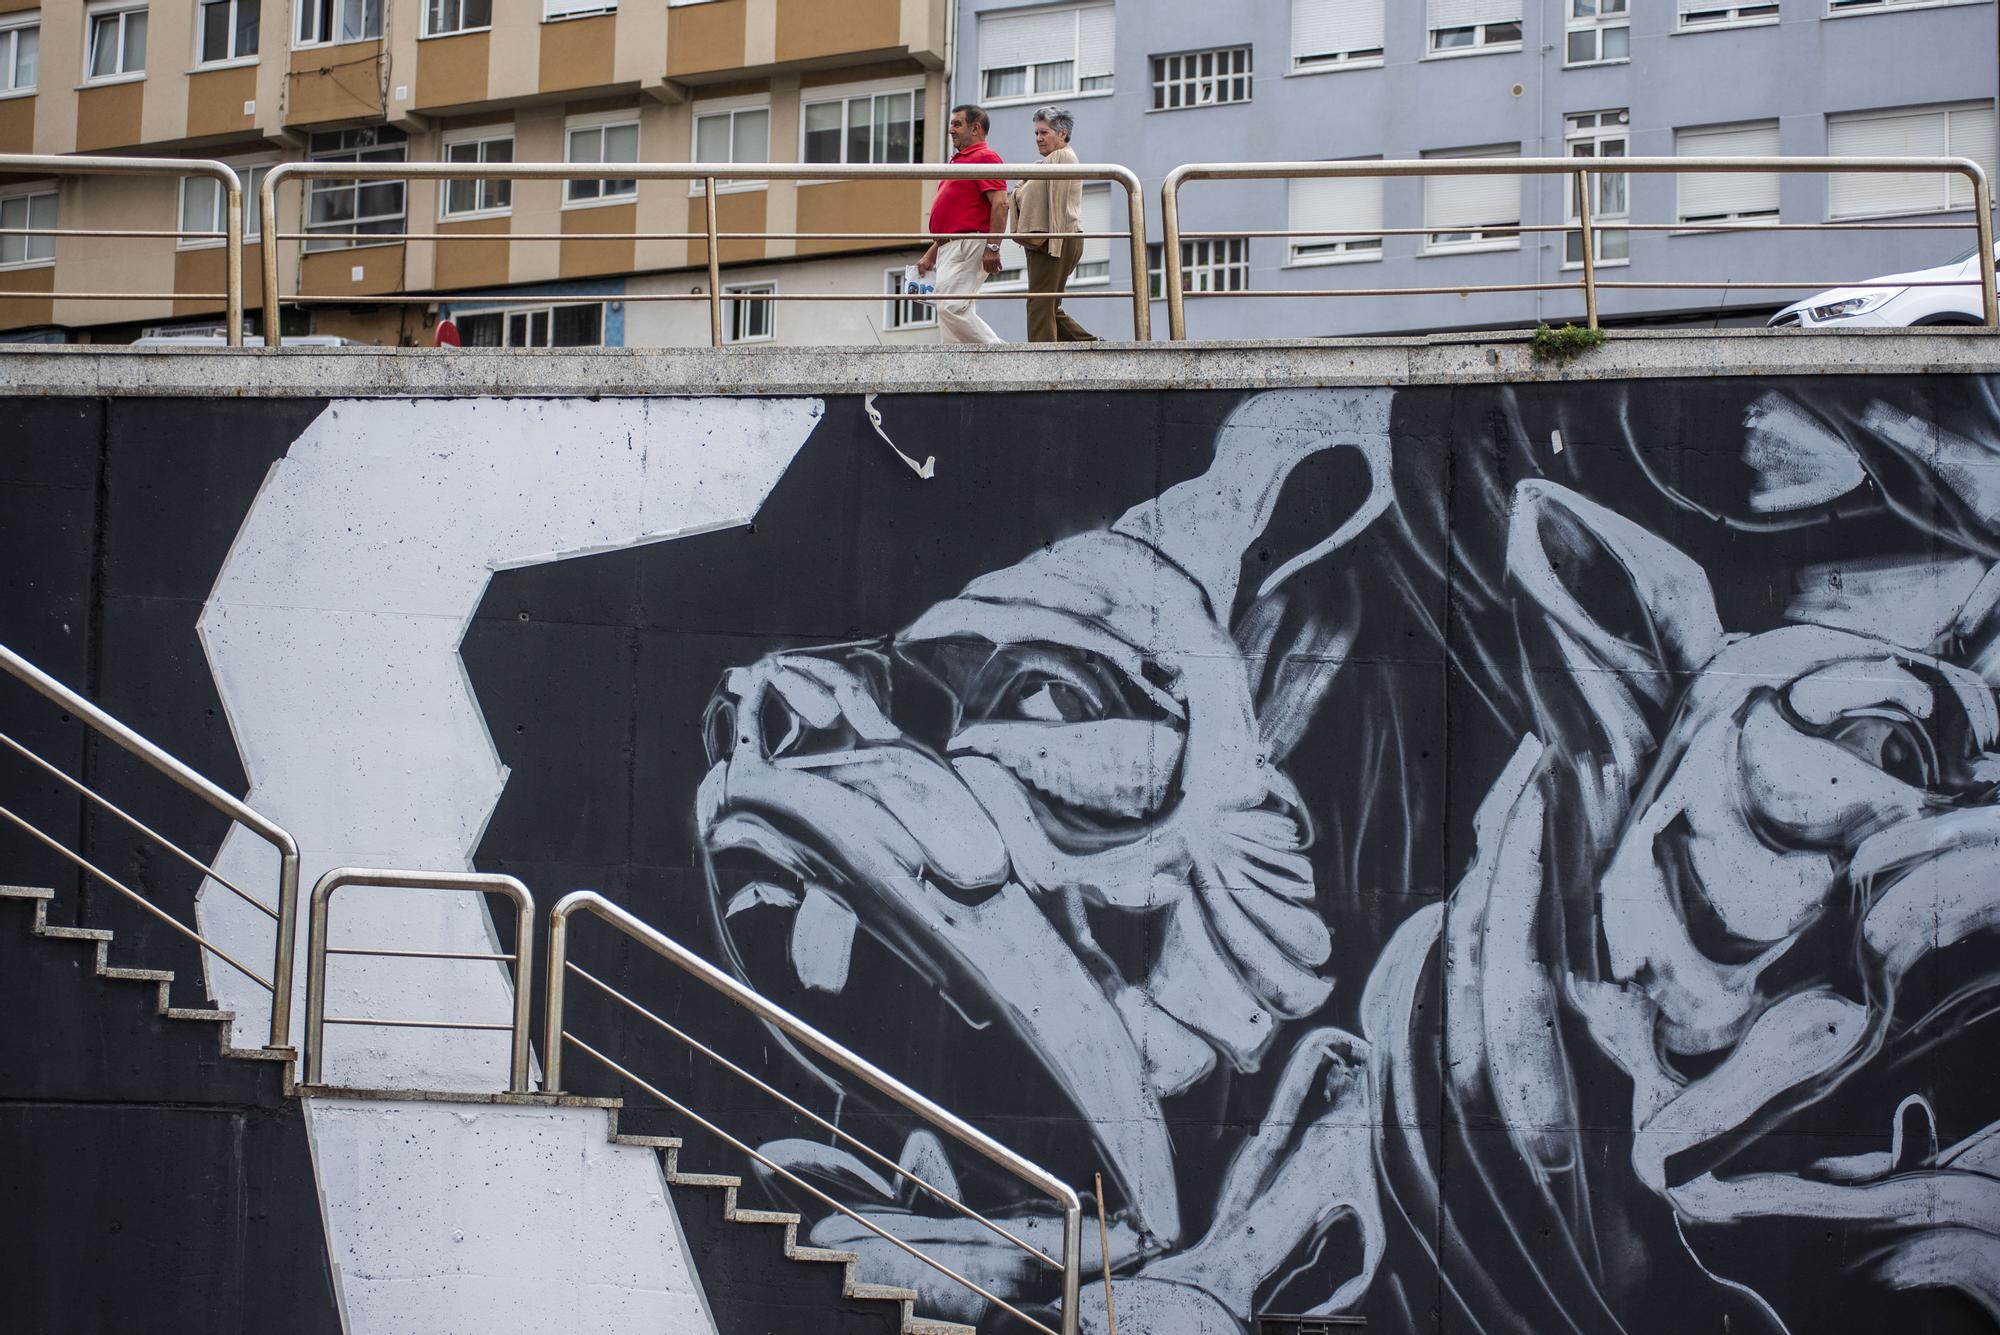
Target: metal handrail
pixel 59 165
pixel 555 1035
pixel 709 174
pixel 522 958
pixel 279 984
pixel 1581 169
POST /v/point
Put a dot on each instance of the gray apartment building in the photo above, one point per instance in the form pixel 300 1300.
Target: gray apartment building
pixel 1157 83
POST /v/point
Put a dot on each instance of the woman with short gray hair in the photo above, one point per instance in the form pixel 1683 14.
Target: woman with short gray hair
pixel 1042 211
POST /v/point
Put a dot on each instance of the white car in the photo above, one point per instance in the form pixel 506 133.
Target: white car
pixel 1894 307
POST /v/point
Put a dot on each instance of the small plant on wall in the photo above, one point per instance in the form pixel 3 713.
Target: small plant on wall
pixel 1564 344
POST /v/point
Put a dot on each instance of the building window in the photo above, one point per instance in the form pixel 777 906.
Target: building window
pixel 204 207
pixel 343 209
pixel 1472 25
pixel 1957 131
pixel 1201 78
pixel 1211 264
pixel 869 127
pixel 745 320
pixel 462 199
pixel 1094 214
pixel 20 49
pixel 1710 14
pixel 1343 212
pixel 36 209
pixel 1870 6
pixel 1707 197
pixel 571 9
pixel 1047 53
pixel 569 326
pixel 1599 134
pixel 1327 34
pixel 1473 212
pixel 616 141
pixel 902 312
pixel 117 43
pixel 324 22
pixel 1600 31
pixel 226 30
pixel 443 17
pixel 737 134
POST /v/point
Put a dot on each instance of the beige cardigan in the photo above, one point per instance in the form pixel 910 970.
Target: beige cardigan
pixel 1048 206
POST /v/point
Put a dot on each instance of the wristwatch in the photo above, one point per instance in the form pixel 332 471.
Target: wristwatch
pixel 993 245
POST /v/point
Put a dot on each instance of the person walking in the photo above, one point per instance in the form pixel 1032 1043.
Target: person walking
pixel 968 218
pixel 1041 207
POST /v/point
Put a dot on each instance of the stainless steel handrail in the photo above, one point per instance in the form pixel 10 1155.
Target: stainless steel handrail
pixel 60 165
pixel 709 174
pixel 555 1035
pixel 1581 169
pixel 280 982
pixel 522 958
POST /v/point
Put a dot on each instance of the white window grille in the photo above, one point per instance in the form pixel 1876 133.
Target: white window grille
pixel 867 127
pixel 735 134
pixel 1599 32
pixel 903 312
pixel 20 51
pixel 461 199
pixel 567 326
pixel 747 321
pixel 1208 264
pixel 204 207
pixel 1046 53
pixel 1201 78
pixel 1711 14
pixel 227 30
pixel 372 208
pixel 117 48
pixel 37 209
pixel 1327 34
pixel 328 22
pixel 1599 134
pixel 1706 197
pixel 614 141
pixel 443 17
pixel 1471 25
pixel 1473 212
pixel 569 9
pixel 1964 131
pixel 1345 212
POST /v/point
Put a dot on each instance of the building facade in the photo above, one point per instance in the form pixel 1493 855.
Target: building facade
pixel 1165 82
pixel 258 82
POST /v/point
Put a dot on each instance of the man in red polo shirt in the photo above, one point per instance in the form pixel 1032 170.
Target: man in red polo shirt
pixel 968 218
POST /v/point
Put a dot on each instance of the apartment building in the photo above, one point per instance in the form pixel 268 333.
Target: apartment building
pixel 258 82
pixel 1157 83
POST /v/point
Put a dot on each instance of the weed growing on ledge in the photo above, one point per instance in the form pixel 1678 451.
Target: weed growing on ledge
pixel 1564 344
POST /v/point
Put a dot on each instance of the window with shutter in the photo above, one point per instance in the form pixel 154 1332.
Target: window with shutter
pixel 1722 14
pixel 1735 196
pixel 1473 212
pixel 1046 53
pixel 569 9
pixel 1472 25
pixel 1835 8
pixel 1343 212
pixel 1095 214
pixel 1964 131
pixel 1329 34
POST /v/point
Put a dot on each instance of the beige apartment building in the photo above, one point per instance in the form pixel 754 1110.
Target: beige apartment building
pixel 258 82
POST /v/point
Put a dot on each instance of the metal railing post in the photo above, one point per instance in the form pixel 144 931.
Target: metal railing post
pixel 1135 225
pixel 288 931
pixel 267 211
pixel 1170 253
pixel 1589 250
pixel 1072 1259
pixel 1982 207
pixel 555 1003
pixel 232 249
pixel 714 269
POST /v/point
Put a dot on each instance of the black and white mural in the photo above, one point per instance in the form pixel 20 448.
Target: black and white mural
pixel 1481 859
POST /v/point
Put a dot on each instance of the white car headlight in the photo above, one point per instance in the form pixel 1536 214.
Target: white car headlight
pixel 1853 306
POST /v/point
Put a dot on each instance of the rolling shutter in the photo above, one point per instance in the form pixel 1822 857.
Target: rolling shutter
pixel 1470 203
pixel 1335 208
pixel 1714 195
pixel 1096 33
pixel 1007 40
pixel 1332 27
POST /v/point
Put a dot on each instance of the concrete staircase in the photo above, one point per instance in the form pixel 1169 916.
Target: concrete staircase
pixel 760 1279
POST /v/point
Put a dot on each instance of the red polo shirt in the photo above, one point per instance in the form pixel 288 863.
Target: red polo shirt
pixel 961 206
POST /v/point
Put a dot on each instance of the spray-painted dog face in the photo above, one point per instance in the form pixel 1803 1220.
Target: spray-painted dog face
pixel 1083 737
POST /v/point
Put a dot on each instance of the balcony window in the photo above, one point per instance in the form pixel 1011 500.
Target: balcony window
pixel 1201 78
pixel 117 43
pixel 1599 32
pixel 1328 34
pixel 478 198
pixel 444 17
pixel 616 141
pixel 20 49
pixel 1046 53
pixel 23 210
pixel 347 213
pixel 325 22
pixel 567 326
pixel 228 30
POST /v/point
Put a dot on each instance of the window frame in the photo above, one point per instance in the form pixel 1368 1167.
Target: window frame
pixel 1161 82
pixel 731 107
pixel 1482 239
pixel 1596 25
pixel 121 10
pixel 1734 16
pixel 601 122
pixel 589 9
pixel 1156 264
pixel 1482 44
pixel 895 299
pixel 31 191
pixel 480 135
pixel 845 93
pixel 1945 181
pixel 1597 135
pixel 426 32
pixel 1836 10
pixel 253 173
pixel 1685 226
pixel 1356 254
pixel 531 309
pixel 737 311
pixel 11 28
pixel 331 8
pixel 318 188
pixel 234 57
pixel 1075 90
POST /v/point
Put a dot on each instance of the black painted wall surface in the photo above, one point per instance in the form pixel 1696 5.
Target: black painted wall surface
pixel 1518 823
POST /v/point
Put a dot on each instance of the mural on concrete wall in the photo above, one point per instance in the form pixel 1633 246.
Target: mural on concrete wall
pixel 1716 913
